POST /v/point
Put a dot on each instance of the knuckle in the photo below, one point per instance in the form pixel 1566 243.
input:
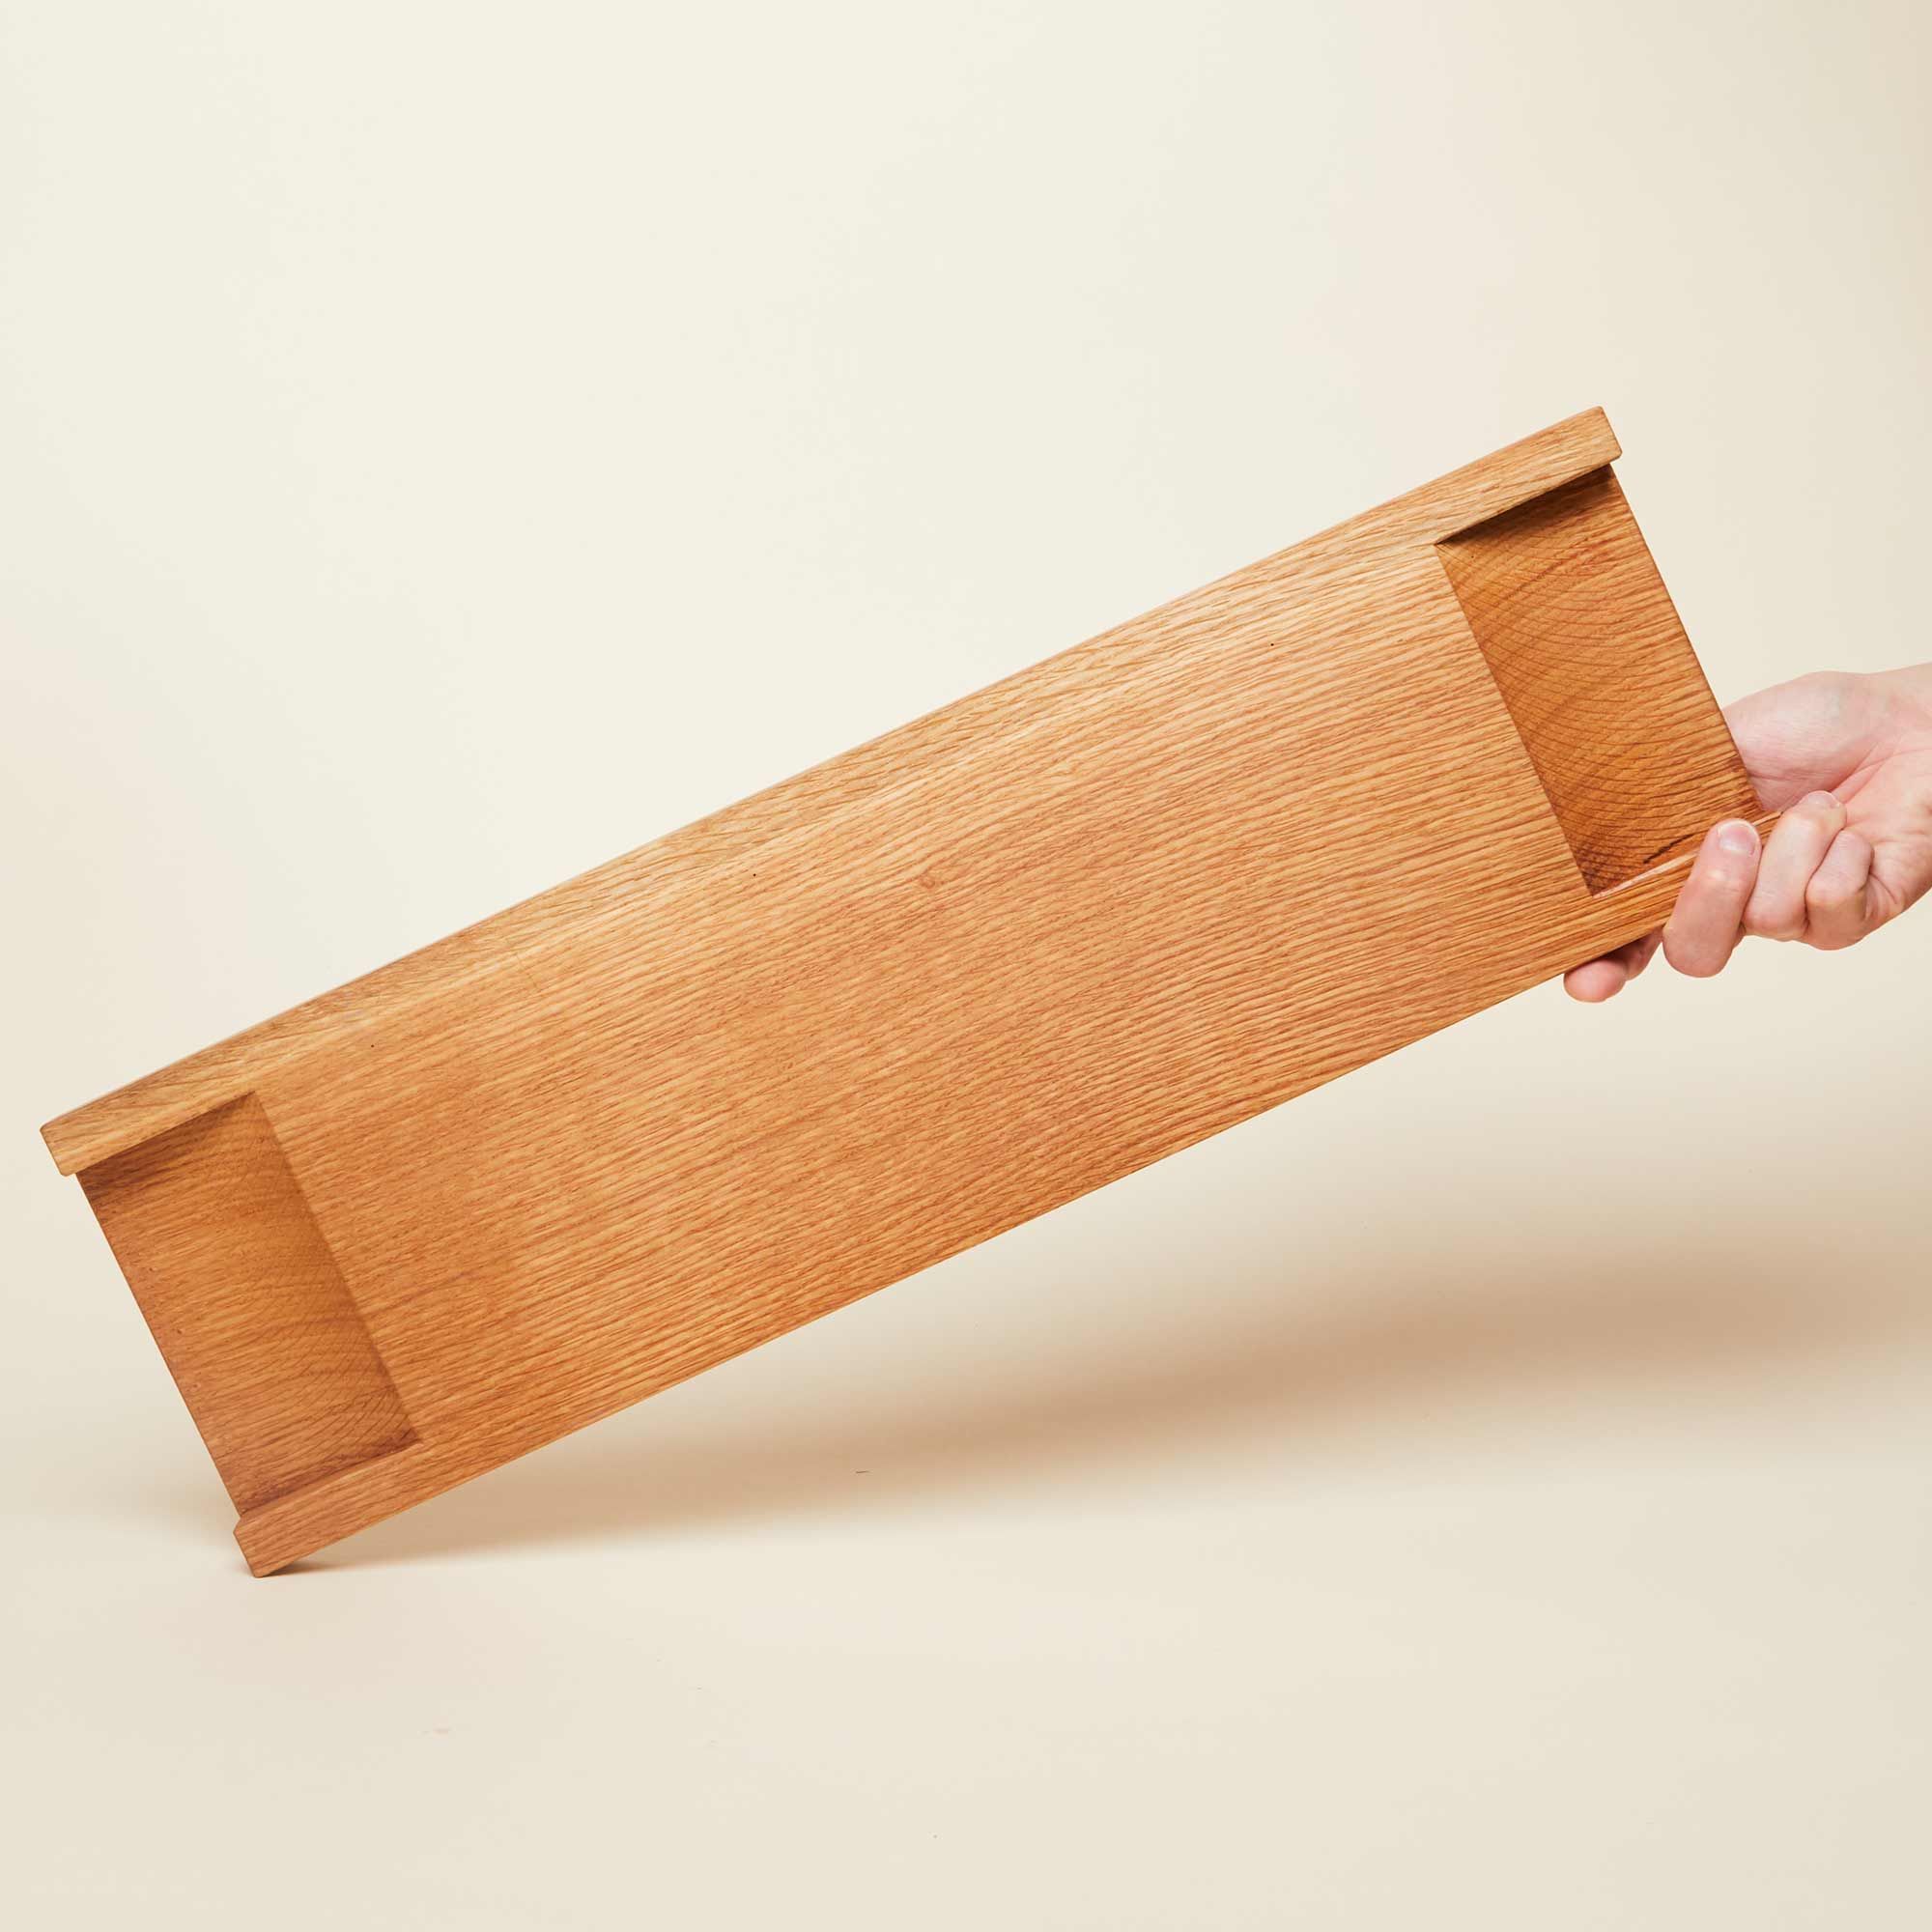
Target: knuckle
pixel 1774 921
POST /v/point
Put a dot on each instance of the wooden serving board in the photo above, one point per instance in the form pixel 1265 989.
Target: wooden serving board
pixel 920 994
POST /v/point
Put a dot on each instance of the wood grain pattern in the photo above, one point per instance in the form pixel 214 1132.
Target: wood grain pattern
pixel 246 1303
pixel 952 978
pixel 1586 646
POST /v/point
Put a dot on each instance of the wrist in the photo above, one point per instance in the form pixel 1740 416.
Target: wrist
pixel 1904 705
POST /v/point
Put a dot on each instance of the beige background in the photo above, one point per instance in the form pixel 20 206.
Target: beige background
pixel 442 447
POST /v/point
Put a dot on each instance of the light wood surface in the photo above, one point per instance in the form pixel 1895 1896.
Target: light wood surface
pixel 916 996
pixel 1565 601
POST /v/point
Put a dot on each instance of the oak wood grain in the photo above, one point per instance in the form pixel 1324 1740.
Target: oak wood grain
pixel 957 977
pixel 1586 648
pixel 246 1305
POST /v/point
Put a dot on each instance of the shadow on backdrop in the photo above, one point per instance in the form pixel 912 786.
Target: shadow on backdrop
pixel 1224 1370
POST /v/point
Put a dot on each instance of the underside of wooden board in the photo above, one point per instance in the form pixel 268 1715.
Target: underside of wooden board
pixel 917 995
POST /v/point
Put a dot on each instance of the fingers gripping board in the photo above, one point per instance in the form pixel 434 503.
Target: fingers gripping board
pixel 916 996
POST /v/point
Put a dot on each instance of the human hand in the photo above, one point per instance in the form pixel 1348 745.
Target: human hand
pixel 1848 760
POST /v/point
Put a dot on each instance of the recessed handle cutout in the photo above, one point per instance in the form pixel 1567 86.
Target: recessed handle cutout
pixel 259 1329
pixel 1601 681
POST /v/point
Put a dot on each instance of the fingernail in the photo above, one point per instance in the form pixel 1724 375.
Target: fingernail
pixel 1826 801
pixel 1738 838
